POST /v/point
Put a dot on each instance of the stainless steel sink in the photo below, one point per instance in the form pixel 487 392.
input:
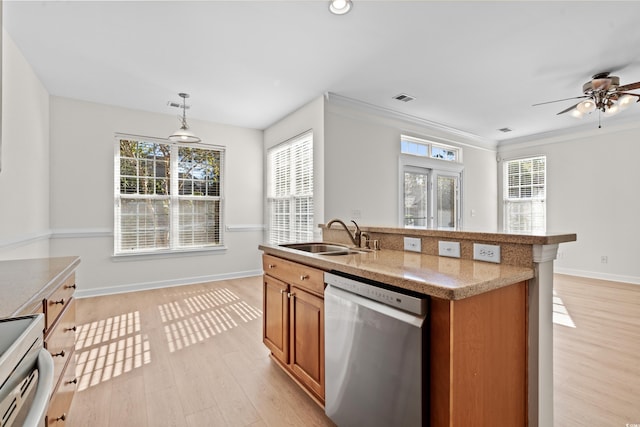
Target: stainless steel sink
pixel 321 248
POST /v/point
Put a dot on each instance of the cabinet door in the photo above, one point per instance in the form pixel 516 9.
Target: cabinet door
pixel 275 331
pixel 307 339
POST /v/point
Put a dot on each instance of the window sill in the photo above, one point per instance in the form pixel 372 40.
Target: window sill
pixel 175 253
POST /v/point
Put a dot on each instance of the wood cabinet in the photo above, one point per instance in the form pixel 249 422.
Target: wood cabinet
pixel 293 320
pixel 478 359
pixel 59 339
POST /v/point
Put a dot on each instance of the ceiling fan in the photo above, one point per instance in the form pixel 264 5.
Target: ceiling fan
pixel 604 93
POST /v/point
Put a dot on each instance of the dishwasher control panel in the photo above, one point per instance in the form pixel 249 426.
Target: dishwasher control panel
pixel 368 289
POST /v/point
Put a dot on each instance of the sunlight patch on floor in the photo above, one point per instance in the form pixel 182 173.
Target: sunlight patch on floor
pixel 560 313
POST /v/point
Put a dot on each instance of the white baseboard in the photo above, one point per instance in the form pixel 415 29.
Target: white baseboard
pixel 134 287
pixel 596 275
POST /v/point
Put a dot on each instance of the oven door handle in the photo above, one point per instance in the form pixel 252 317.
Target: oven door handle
pixel 40 403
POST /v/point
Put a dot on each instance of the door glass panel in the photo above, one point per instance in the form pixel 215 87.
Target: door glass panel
pixel 415 199
pixel 446 204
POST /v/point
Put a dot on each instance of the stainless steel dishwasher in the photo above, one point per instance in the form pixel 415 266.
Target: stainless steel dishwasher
pixel 376 354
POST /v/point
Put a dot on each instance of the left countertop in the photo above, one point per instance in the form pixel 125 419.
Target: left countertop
pixel 24 282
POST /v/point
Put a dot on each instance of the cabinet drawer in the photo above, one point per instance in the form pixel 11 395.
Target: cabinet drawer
pixel 61 399
pixel 60 340
pixel 54 305
pixel 293 273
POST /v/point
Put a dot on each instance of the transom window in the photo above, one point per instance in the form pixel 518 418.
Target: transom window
pixel 168 197
pixel 429 149
pixel 525 195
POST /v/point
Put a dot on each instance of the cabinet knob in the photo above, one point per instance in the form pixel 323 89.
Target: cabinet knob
pixel 60 301
pixel 62 417
pixel 61 354
pixel 272 266
pixel 282 291
pixel 73 381
pixel 73 328
pixel 290 294
pixel 304 277
pixel 70 286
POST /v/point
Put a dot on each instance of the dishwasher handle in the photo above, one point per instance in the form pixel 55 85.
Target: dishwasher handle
pixel 334 295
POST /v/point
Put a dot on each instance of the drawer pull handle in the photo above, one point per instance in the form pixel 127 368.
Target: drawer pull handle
pixel 61 354
pixel 60 301
pixel 304 277
pixel 272 266
pixel 62 417
pixel 70 286
pixel 73 381
pixel 73 328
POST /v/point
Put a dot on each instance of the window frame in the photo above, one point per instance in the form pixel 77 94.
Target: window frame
pixel 434 168
pixel 173 198
pixel 292 196
pixel 512 201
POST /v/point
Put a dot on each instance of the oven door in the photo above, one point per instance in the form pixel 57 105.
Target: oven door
pixel 24 397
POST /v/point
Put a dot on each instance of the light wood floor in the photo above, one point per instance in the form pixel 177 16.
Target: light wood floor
pixel 184 356
pixel 596 362
pixel 193 356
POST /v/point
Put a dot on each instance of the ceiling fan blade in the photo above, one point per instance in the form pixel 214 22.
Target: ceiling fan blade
pixel 631 86
pixel 568 109
pixel 560 100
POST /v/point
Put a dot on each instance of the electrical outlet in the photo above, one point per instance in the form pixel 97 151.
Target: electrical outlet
pixel 489 253
pixel 604 259
pixel 451 249
pixel 412 244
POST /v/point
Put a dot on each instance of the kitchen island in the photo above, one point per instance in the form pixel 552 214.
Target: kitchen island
pixel 489 323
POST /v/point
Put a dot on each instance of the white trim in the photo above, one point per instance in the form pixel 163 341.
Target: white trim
pixel 134 287
pixel 634 280
pixel 246 227
pixel 544 253
pixel 79 233
pixel 340 100
pixel 25 239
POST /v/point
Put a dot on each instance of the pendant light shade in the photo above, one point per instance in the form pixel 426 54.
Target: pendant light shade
pixel 183 134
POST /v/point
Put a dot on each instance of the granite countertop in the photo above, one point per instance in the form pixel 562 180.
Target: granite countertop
pixel 441 277
pixel 24 282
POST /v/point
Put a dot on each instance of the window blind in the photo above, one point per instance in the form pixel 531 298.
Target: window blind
pixel 290 190
pixel 525 195
pixel 167 196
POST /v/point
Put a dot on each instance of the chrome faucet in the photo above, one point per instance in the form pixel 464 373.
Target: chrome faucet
pixel 356 237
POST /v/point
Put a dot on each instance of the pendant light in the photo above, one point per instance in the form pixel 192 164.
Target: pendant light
pixel 184 134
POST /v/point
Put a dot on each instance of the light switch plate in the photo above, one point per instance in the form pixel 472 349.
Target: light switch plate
pixel 450 249
pixel 489 253
pixel 412 244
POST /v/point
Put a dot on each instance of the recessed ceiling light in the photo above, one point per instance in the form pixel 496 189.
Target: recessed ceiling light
pixel 340 7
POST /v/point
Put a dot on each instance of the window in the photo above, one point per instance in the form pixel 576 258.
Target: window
pixel 430 184
pixel 525 195
pixel 290 190
pixel 429 149
pixel 168 197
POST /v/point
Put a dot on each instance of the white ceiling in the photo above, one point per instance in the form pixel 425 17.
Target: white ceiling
pixel 473 66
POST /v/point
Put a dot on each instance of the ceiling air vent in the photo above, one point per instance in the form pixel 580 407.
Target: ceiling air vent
pixel 505 130
pixel 404 97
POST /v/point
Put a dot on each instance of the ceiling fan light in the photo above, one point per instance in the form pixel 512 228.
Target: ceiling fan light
pixel 586 106
pixel 625 101
pixel 340 7
pixel 576 113
pixel 612 110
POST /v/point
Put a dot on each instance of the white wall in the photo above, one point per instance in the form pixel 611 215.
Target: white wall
pixel 24 174
pixel 592 190
pixel 362 151
pixel 82 188
pixel 308 117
